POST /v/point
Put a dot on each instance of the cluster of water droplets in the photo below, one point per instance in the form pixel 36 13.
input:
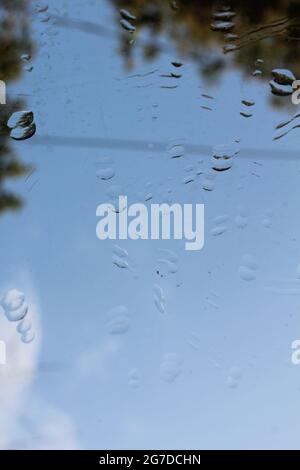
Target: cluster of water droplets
pixel 287 126
pixel 174 75
pixel 258 72
pixel 223 21
pixel 206 98
pixel 16 309
pixel 21 125
pixel 176 149
pixel 127 21
pixel 219 225
pixel 25 58
pixel 247 105
pixel 223 157
pixel 282 83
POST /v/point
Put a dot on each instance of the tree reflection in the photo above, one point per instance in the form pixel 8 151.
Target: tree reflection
pixel 14 41
pixel 188 24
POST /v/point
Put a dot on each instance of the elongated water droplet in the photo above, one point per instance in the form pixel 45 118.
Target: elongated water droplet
pixel 127 26
pixel 127 15
pixel 118 320
pixel 106 174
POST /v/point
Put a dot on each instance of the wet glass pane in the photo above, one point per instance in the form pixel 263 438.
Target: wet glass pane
pixel 150 262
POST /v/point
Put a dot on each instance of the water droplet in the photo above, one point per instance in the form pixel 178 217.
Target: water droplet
pixel 17 314
pixel 230 48
pixel 249 260
pixel 248 102
pixel 176 151
pixel 24 326
pixel 25 57
pixel 219 230
pixel 120 257
pixel 188 179
pixel 170 368
pixel 283 76
pixel 224 15
pixel 174 5
pixel 41 7
pixel 127 15
pixel 106 174
pixel 133 379
pixel 247 270
pixel 177 64
pixel 127 26
pixel 118 321
pixel 208 183
pixel 234 377
pixel 13 300
pixel 28 337
pixel 280 89
pixel 259 62
pixel 222 25
pixel 223 156
pixel 159 299
pixel 20 119
pixel 28 68
pixel 230 37
pixel 23 133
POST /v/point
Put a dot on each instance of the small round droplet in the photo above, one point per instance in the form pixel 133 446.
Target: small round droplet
pixel 28 337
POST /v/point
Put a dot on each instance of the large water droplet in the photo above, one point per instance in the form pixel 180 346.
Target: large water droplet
pixel 13 300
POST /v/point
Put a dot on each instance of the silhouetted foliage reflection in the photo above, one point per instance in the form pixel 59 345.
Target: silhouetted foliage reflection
pixel 14 41
pixel 188 24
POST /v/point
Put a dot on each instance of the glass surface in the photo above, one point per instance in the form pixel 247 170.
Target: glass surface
pixel 142 344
